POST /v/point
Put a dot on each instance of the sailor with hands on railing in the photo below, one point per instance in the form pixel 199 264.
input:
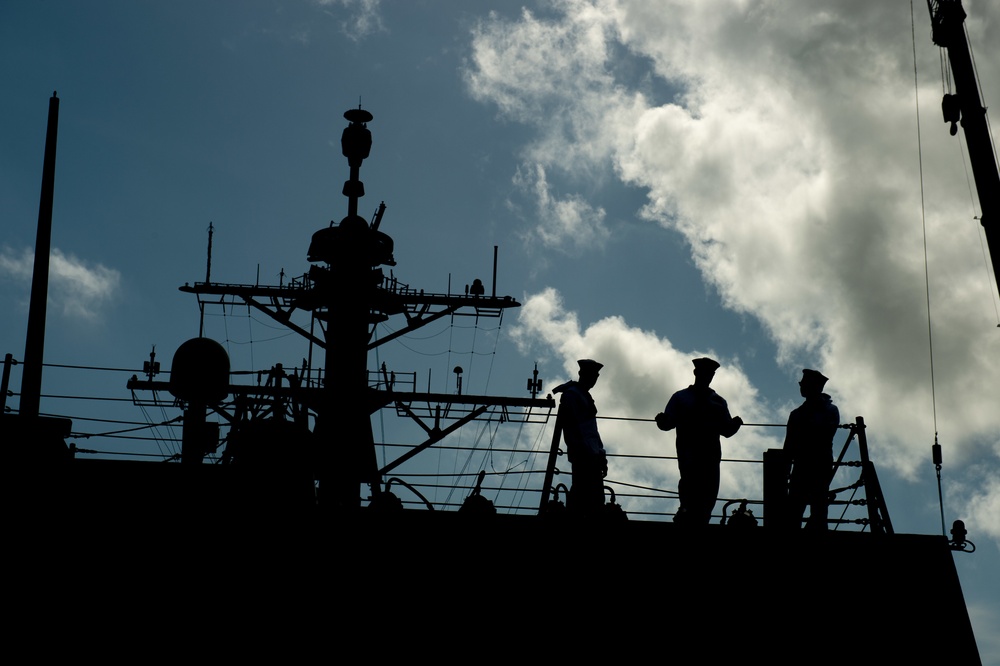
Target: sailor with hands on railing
pixel 578 419
pixel 700 416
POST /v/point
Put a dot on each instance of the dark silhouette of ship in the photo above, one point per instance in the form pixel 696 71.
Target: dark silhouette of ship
pixel 269 500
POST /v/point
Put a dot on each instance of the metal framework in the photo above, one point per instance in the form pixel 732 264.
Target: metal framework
pixel 348 295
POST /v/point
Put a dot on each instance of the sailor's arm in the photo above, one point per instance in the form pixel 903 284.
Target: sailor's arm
pixel 732 427
pixel 789 446
pixel 667 419
pixel 831 422
pixel 729 425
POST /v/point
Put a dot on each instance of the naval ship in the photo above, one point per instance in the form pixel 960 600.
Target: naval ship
pixel 275 497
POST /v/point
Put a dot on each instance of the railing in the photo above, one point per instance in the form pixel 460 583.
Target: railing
pixel 519 491
pixel 514 475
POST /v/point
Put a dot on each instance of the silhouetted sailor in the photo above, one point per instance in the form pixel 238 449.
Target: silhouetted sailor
pixel 809 448
pixel 578 418
pixel 700 416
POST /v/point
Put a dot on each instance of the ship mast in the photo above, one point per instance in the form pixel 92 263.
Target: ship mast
pixel 348 294
pixel 346 288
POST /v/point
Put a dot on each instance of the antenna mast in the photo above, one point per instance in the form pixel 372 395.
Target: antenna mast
pixel 34 346
pixel 208 268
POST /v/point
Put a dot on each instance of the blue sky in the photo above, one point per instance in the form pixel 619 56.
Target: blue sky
pixel 737 179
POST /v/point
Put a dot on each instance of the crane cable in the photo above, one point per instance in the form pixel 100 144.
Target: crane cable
pixel 936 449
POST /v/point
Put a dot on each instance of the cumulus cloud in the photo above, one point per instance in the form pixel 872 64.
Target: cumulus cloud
pixel 77 288
pixel 788 161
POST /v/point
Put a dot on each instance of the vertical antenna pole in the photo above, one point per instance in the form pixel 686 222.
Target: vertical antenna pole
pixel 208 280
pixel 34 346
pixel 208 268
pixel 494 271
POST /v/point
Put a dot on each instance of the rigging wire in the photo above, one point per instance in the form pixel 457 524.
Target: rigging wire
pixel 471 352
pixel 493 355
pixel 491 449
pixel 225 328
pixel 936 449
pixel 521 490
pixel 130 454
pixel 488 454
pixel 251 341
pixel 90 418
pixel 510 466
pixel 411 336
pixel 451 340
pixel 468 460
pixel 420 353
pixel 266 324
pixel 461 431
pixel 89 367
pixel 448 364
pixel 250 332
pixel 131 438
pixel 87 435
pixel 160 441
pixel 163 416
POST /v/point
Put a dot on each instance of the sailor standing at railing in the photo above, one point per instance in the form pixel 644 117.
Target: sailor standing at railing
pixel 700 415
pixel 578 419
pixel 809 448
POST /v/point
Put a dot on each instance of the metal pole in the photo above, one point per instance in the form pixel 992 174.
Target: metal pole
pixel 776 468
pixel 551 466
pixel 5 382
pixel 878 513
pixel 34 346
pixel 494 271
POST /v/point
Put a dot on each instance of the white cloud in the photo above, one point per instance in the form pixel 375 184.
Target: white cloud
pixel 552 74
pixel 979 492
pixel 564 222
pixel 789 164
pixel 16 266
pixel 76 288
pixel 364 17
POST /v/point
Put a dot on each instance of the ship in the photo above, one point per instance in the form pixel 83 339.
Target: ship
pixel 277 492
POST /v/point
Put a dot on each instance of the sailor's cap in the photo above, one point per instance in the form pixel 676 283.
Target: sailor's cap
pixel 588 365
pixel 705 364
pixel 813 377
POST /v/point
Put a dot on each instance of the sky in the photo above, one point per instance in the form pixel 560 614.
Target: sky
pixel 663 181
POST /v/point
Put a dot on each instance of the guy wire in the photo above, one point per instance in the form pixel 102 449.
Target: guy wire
pixel 927 283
